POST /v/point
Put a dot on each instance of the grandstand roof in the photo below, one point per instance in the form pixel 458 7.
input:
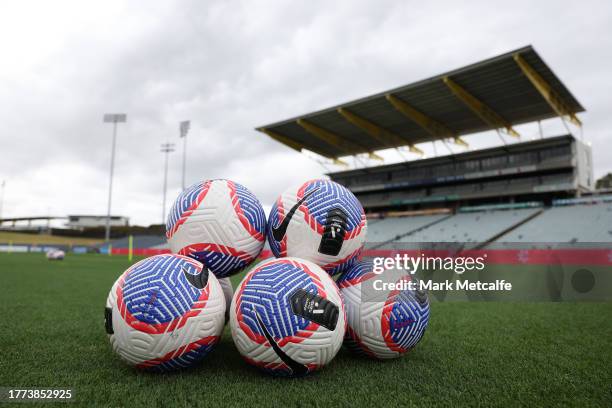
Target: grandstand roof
pixel 497 93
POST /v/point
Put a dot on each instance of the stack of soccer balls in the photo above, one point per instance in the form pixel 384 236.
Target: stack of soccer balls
pixel 288 316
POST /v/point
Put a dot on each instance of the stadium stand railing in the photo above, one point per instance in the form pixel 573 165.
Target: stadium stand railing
pixel 509 206
pixel 583 200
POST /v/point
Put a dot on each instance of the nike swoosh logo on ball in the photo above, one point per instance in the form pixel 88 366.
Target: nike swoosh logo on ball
pixel 198 281
pixel 279 232
pixel 297 369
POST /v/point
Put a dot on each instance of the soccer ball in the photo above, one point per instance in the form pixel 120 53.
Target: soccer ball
pixel 287 317
pixel 55 254
pixel 228 293
pixel 165 312
pixel 320 221
pixel 381 324
pixel 218 222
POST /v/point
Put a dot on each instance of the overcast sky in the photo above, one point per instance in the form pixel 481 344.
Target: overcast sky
pixel 231 66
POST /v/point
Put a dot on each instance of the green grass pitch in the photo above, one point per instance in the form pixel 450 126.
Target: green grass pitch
pixel 490 354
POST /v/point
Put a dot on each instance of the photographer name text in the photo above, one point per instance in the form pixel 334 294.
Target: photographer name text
pixel 405 284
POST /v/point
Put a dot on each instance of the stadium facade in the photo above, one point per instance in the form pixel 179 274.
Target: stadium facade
pixel 541 170
pixel 92 221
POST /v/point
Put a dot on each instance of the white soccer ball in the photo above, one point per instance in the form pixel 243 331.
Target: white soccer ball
pixel 382 323
pixel 287 317
pixel 320 221
pixel 218 222
pixel 164 313
pixel 55 254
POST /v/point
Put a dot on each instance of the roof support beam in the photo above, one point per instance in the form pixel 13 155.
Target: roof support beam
pixel 297 146
pixel 488 115
pixel 414 149
pixel 432 126
pixel 282 139
pixel 411 149
pixel 390 139
pixel 554 100
pixel 330 138
pixel 459 141
pixel 374 156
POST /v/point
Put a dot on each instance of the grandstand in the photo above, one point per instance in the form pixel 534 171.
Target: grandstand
pixel 525 191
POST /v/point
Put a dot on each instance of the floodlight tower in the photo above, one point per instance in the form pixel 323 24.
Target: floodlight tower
pixel 2 198
pixel 113 118
pixel 166 148
pixel 184 129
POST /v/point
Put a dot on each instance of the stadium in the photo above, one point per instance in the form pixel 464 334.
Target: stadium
pixel 530 205
pixel 512 189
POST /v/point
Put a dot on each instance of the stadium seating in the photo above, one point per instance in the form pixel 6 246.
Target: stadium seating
pixel 568 224
pixel 558 224
pixel 391 228
pixel 477 227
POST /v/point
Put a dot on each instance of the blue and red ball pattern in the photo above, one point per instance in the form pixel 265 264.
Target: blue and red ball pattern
pixel 156 291
pixel 155 297
pixel 404 316
pixel 326 195
pixel 329 194
pixel 223 260
pixel 266 292
pixel 184 203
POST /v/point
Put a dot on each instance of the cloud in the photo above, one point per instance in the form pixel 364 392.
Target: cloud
pixel 232 66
